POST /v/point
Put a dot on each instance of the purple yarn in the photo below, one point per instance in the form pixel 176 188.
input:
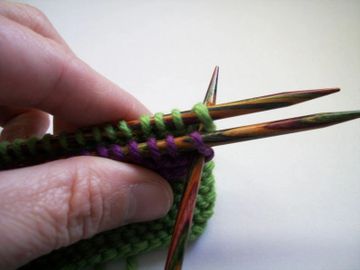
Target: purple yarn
pixel 172 165
pixel 84 153
pixel 171 146
pixel 117 152
pixel 134 152
pixel 153 148
pixel 102 151
pixel 202 148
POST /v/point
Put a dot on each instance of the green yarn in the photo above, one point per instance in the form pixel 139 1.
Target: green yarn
pixel 97 134
pixel 3 152
pixel 110 132
pixel 131 263
pixel 46 143
pixel 124 128
pixel 79 137
pixel 202 113
pixel 31 144
pixel 63 141
pixel 160 124
pixel 133 239
pixel 145 125
pixel 177 120
pixel 17 148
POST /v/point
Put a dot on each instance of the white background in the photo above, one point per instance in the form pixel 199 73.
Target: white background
pixel 289 202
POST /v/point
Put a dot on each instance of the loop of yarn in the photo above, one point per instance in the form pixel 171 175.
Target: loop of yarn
pixel 160 124
pixel 203 115
pixel 177 119
pixel 124 128
pixel 145 125
pixel 201 147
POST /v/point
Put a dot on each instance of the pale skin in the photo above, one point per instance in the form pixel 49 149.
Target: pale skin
pixel 55 204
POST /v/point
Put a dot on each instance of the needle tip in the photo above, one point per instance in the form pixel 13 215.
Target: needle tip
pixel 330 90
pixel 210 97
pixel 321 92
pixel 306 95
pixel 333 118
pixel 347 115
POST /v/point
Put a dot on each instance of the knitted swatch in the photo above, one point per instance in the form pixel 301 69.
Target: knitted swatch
pixel 130 240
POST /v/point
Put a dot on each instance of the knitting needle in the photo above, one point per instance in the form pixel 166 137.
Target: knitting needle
pixel 187 205
pixel 256 131
pixel 246 106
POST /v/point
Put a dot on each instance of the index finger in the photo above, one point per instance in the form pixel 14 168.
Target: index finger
pixel 37 72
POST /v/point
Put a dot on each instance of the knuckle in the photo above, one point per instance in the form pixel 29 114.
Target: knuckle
pixel 86 205
pixel 33 11
pixel 36 19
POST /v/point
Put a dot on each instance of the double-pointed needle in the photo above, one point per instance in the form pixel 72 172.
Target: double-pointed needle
pixel 187 205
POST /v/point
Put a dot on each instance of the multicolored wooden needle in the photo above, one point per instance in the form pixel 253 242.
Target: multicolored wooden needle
pixel 186 210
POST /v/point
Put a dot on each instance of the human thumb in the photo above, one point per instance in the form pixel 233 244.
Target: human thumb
pixel 52 205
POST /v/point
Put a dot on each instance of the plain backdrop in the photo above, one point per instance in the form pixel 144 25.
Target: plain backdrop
pixel 288 202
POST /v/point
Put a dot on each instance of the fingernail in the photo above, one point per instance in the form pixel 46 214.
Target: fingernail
pixel 148 201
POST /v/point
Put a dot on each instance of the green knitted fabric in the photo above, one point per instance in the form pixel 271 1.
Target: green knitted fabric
pixel 130 240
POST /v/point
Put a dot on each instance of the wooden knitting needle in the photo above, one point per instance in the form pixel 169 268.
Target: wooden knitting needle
pixel 257 131
pixel 237 108
pixel 247 106
pixel 185 214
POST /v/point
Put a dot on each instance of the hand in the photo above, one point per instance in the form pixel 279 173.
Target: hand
pixel 52 205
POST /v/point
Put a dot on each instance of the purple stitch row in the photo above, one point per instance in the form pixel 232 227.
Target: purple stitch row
pixel 171 165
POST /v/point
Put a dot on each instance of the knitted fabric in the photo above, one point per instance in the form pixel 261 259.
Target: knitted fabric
pixel 130 240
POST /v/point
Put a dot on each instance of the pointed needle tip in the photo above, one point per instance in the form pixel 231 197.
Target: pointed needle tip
pixel 352 114
pixel 323 91
pixel 210 97
pixel 331 90
pixel 306 95
pixel 338 117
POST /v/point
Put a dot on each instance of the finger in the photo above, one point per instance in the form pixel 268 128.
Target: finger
pixel 25 125
pixel 6 113
pixel 57 82
pixel 53 205
pixel 32 18
pixel 61 126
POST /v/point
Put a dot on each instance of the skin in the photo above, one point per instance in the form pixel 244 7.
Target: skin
pixel 55 204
